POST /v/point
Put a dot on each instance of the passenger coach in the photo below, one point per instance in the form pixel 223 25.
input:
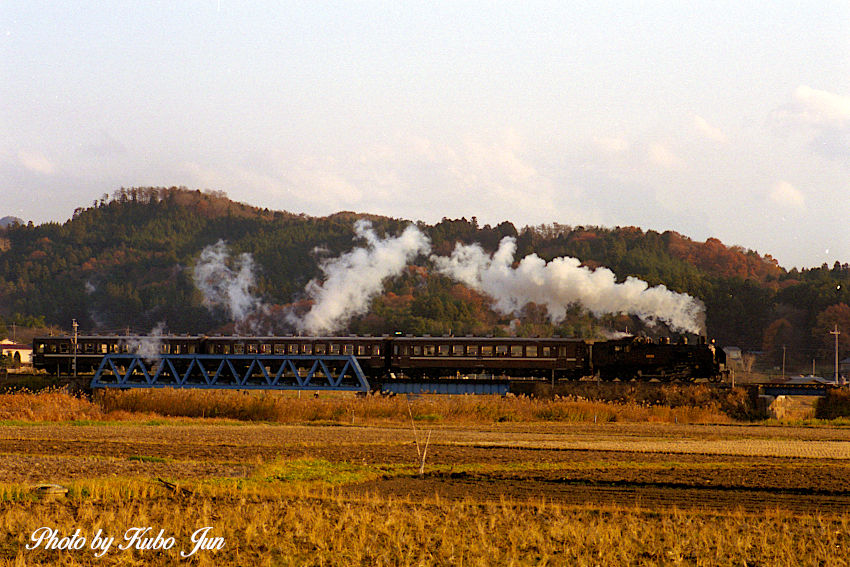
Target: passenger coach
pixel 508 356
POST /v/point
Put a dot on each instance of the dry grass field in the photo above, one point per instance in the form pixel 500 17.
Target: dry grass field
pixel 336 481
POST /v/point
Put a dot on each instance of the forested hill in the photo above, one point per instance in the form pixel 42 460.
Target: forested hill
pixel 126 261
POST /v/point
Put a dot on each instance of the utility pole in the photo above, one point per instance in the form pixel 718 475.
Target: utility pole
pixel 783 363
pixel 75 325
pixel 836 332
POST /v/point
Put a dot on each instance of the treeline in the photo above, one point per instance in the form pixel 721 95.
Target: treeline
pixel 126 262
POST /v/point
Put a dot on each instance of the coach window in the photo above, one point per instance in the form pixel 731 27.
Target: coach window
pixel 252 348
pixel 562 352
pixel 501 350
pixel 361 350
pixel 516 350
pixel 487 350
pixel 347 349
pixel 471 350
pixel 376 350
pixel 531 350
pixel 416 350
pixel 225 349
pixel 457 350
pixel 547 351
pixel 292 348
pixel 321 349
pixel 175 349
pixel 239 349
pixel 306 348
pixel 334 349
pixel 444 350
pixel 428 350
pixel 266 348
pixel 191 349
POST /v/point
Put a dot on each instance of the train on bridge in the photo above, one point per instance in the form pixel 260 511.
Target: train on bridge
pixel 416 357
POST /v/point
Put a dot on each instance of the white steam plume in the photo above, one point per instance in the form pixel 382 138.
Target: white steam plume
pixel 225 286
pixel 148 347
pixel 353 279
pixel 562 282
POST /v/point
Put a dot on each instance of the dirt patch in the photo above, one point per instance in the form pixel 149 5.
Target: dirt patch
pixel 645 495
pixel 52 469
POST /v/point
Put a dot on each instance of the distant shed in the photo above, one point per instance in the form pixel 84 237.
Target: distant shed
pixel 732 352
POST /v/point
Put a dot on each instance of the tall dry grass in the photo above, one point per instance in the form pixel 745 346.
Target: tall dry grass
pixel 287 408
pixel 281 407
pixel 47 405
pixel 326 528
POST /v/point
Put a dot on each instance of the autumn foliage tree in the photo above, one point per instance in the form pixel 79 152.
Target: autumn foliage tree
pixel 837 315
pixel 778 334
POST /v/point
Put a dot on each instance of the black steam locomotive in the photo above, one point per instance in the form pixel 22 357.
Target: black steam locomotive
pixel 416 357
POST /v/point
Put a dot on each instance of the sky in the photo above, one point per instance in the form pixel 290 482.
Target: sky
pixel 728 120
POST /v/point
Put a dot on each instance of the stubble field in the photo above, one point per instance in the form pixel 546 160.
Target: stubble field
pixel 521 493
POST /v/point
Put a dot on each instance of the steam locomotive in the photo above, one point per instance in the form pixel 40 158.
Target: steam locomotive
pixel 416 357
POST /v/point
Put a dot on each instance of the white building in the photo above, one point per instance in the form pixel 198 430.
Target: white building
pixel 21 354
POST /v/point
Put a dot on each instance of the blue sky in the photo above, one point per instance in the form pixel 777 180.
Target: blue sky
pixel 729 120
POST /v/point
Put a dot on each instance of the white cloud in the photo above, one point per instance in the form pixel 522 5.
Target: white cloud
pixel 36 162
pixel 307 183
pixel 612 145
pixel 818 108
pixel 786 195
pixel 659 154
pixel 709 131
pixel 415 177
pixel 823 115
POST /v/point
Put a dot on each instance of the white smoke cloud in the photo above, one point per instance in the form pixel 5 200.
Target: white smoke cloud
pixel 149 347
pixel 227 283
pixel 563 282
pixel 353 279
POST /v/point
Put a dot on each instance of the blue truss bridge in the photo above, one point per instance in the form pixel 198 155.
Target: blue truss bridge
pixel 234 372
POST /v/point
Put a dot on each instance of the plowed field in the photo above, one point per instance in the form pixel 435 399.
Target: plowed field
pixel 646 465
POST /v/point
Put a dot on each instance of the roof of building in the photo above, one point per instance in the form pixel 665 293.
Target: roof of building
pixel 6 344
